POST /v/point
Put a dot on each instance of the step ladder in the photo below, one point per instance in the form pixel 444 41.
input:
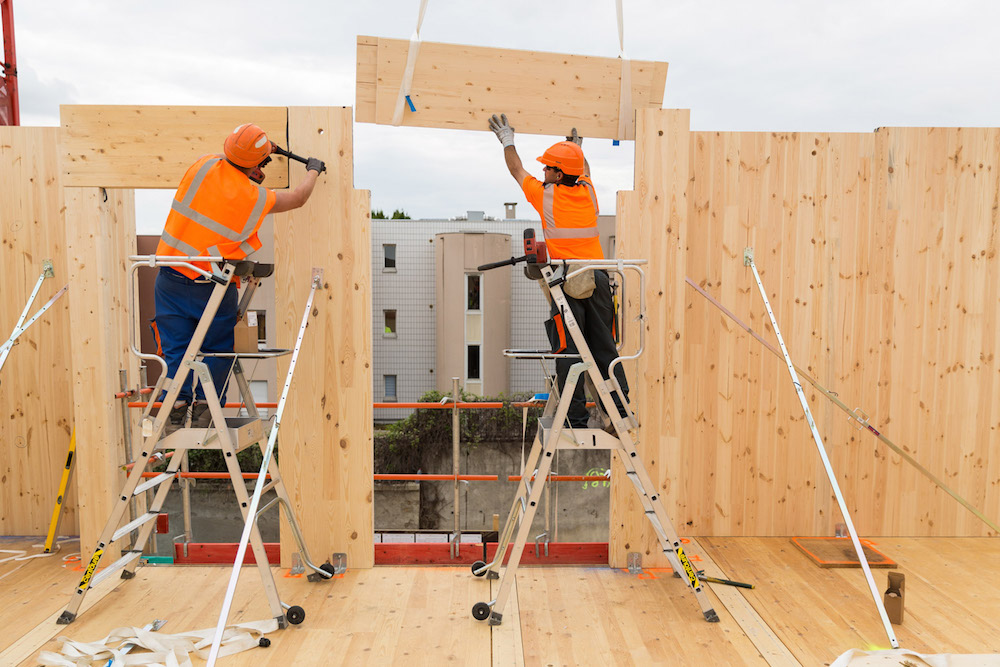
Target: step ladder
pixel 552 435
pixel 227 434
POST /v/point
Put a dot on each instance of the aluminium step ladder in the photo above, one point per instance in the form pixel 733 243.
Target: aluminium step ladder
pixel 227 434
pixel 552 434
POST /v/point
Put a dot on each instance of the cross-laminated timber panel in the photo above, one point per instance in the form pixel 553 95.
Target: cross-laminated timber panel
pixel 36 410
pixel 99 233
pixel 152 146
pixel 460 87
pixel 327 433
pixel 878 252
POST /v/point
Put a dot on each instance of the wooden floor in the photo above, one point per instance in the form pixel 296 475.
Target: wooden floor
pixel 798 613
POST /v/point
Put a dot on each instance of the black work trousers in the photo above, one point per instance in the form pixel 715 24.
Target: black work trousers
pixel 595 317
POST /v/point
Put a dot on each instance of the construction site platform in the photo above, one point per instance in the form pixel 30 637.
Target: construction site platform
pixel 797 614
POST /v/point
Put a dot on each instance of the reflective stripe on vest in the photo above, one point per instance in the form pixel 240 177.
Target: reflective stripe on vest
pixel 548 217
pixel 184 208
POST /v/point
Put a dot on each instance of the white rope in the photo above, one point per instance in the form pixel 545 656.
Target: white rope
pixel 163 650
pixel 411 62
pixel 626 130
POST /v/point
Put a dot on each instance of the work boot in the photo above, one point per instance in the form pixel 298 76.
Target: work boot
pixel 201 416
pixel 598 423
pixel 176 419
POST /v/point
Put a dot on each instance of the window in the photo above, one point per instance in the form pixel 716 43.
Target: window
pixel 390 388
pixel 389 250
pixel 390 324
pixel 472 363
pixel 472 291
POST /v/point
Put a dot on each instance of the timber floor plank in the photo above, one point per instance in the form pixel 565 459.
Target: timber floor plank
pixel 563 615
pixel 30 589
pixel 952 595
pixel 584 616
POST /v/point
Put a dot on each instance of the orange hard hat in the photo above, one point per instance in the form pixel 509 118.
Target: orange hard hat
pixel 247 146
pixel 565 156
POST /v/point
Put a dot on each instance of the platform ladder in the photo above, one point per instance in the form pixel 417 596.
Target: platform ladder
pixel 227 434
pixel 552 435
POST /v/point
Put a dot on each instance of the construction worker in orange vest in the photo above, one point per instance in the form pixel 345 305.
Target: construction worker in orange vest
pixel 217 210
pixel 566 201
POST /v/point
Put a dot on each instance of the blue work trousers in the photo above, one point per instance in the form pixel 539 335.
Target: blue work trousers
pixel 180 303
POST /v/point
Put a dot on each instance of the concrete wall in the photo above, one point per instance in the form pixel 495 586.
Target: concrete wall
pixel 578 510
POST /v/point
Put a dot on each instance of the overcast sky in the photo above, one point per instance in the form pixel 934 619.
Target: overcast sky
pixel 738 65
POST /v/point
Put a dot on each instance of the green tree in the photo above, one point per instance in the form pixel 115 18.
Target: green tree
pixel 400 214
pixel 378 215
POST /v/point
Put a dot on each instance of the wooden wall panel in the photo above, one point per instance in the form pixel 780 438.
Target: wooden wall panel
pixel 36 410
pixel 460 87
pixel 326 450
pixel 657 231
pixel 100 235
pixel 878 252
pixel 152 146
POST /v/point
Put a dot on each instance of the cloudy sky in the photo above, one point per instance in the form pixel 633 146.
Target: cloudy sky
pixel 738 65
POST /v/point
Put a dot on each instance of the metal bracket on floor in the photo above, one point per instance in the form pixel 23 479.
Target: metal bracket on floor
pixel 634 562
pixel 339 562
pixel 297 566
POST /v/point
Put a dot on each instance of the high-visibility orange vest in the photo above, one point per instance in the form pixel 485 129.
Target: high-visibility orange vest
pixel 569 217
pixel 217 210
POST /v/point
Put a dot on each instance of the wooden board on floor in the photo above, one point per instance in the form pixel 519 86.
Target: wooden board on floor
pixel 820 613
pixel 327 451
pixel 36 410
pixel 569 615
pixel 508 644
pixel 459 87
pixel 368 616
pixel 152 146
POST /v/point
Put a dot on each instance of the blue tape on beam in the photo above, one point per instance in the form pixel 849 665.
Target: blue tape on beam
pixel 410 102
pixel 614 142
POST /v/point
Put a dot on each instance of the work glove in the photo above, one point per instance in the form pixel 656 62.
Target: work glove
pixel 315 164
pixel 503 130
pixel 575 138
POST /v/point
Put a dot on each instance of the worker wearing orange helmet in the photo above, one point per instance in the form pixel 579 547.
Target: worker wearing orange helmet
pixel 217 211
pixel 567 203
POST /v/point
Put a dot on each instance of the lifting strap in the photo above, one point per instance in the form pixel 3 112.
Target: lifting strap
pixel 162 649
pixel 411 62
pixel 626 128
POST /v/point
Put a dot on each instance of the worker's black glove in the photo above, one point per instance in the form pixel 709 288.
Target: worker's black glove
pixel 315 164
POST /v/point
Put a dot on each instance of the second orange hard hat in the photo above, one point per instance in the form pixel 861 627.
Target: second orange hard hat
pixel 247 146
pixel 565 156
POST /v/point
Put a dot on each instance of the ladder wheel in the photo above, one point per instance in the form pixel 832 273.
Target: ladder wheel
pixel 480 611
pixel 295 615
pixel 328 568
pixel 478 564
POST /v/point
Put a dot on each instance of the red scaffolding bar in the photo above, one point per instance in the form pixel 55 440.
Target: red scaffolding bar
pixel 10 113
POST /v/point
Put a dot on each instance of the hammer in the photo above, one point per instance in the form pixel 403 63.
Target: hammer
pixel 290 155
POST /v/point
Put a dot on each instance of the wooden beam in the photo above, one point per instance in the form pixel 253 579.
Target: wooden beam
pixel 152 146
pixel 100 235
pixel 36 413
pixel 326 452
pixel 459 87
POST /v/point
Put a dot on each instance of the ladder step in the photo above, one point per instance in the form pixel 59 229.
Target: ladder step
pixel 153 481
pixel 135 523
pixel 634 478
pixel 114 567
pixel 657 526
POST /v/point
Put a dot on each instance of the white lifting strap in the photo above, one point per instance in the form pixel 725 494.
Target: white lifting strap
pixel 162 650
pixel 411 62
pixel 626 128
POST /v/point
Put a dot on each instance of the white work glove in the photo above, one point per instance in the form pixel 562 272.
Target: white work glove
pixel 575 138
pixel 503 130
